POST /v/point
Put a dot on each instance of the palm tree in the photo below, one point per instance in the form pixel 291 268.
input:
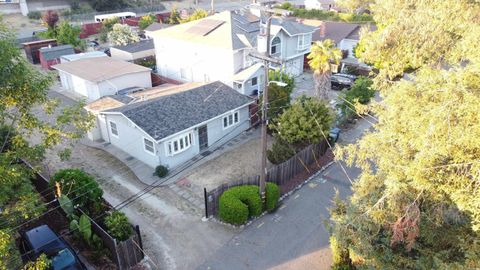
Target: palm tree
pixel 323 55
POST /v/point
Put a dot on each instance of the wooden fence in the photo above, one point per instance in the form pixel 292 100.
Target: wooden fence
pixel 281 174
pixel 124 254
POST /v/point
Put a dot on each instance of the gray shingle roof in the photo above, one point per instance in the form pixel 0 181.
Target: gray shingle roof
pixel 56 52
pixel 292 27
pixel 140 46
pixel 335 31
pixel 166 115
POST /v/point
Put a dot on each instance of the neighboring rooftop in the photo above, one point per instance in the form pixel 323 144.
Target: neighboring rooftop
pixel 228 29
pixel 182 107
pixel 100 68
pixel 143 45
pixel 335 31
pixel 156 26
pixel 78 56
pixel 51 53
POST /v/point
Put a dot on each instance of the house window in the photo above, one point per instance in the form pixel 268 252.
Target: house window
pixel 275 48
pixel 303 42
pixel 113 128
pixel 230 119
pixel 254 81
pixel 148 146
pixel 179 144
pixel 183 73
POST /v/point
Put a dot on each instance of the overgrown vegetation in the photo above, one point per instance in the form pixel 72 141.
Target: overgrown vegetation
pixel 121 35
pixel 118 226
pixel 107 26
pixel 238 204
pixel 80 187
pixel 34 15
pixel 280 152
pixel 64 32
pixel 196 15
pixel 415 204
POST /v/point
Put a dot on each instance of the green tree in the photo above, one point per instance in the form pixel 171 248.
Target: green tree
pixel 280 76
pixel 196 15
pixel 122 35
pixel 24 106
pixel 299 124
pixel 146 21
pixel 9 254
pixel 174 16
pixel 69 34
pixel 323 54
pixel 278 100
pixel 416 202
pixel 107 26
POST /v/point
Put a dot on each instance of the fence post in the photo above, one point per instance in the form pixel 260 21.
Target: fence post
pixel 206 202
pixel 117 257
pixel 140 242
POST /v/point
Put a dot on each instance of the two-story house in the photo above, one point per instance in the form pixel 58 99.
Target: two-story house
pixel 218 48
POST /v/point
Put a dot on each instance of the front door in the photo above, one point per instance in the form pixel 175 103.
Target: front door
pixel 203 137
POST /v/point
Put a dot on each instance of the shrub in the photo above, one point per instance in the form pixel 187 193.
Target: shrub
pixel 161 171
pixel 146 21
pixel 272 194
pixel 360 93
pixel 118 226
pixel 340 255
pixel 7 134
pixel 239 203
pixel 80 187
pixel 34 15
pixel 281 151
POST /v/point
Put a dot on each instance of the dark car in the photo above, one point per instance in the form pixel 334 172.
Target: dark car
pixel 339 81
pixel 43 240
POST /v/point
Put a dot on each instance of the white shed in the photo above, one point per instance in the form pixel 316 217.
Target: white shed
pixel 102 76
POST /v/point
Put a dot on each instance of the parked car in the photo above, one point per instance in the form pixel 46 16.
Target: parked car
pixel 339 82
pixel 41 240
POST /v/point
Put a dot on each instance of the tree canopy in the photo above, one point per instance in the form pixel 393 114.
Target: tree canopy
pixel 307 121
pixel 416 203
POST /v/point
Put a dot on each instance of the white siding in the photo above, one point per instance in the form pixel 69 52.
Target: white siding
pixel 348 44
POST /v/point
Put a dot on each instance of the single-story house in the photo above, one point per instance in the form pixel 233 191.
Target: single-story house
pixel 78 56
pixel 133 52
pixel 32 49
pixel 50 56
pixel 171 125
pixel 94 78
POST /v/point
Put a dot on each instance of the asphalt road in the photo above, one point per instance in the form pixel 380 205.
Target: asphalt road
pixel 294 237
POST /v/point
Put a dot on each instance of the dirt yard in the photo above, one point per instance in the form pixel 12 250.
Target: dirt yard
pixel 240 162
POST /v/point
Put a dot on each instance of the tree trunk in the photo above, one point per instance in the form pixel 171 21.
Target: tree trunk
pixel 322 85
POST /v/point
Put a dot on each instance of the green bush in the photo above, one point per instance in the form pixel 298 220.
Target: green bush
pixel 340 255
pixel 272 194
pixel 361 92
pixel 161 171
pixel 281 151
pixel 118 226
pixel 34 15
pixel 80 187
pixel 6 137
pixel 239 203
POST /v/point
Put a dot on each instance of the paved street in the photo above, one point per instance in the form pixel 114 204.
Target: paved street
pixel 294 237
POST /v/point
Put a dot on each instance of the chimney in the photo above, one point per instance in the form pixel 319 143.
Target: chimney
pixel 323 28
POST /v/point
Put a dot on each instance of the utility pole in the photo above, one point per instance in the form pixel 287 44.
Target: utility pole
pixel 265 56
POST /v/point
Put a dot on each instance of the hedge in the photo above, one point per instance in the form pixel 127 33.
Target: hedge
pixel 238 204
pixel 272 194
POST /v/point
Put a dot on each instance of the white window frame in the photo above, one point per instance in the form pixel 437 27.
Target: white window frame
pixel 111 128
pixel 303 42
pixel 230 116
pixel 183 142
pixel 278 46
pixel 145 146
